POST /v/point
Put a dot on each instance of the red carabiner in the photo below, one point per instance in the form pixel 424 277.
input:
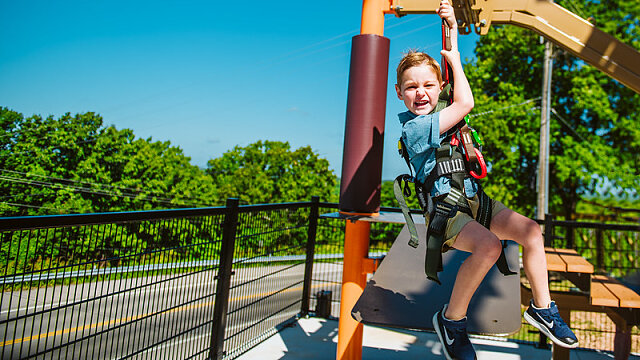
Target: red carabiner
pixel 473 155
pixel 481 163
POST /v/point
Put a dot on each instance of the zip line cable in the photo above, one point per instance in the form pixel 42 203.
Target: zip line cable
pixel 504 108
pixel 301 52
pixel 416 30
pixel 352 32
pixel 565 123
pixel 284 57
pixel 573 131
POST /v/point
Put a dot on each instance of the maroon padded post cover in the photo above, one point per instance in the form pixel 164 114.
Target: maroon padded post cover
pixel 364 131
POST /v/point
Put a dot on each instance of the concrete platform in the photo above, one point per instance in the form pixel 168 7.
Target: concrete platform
pixel 316 338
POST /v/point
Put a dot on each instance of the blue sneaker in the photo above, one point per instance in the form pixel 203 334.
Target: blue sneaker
pixel 549 322
pixel 453 337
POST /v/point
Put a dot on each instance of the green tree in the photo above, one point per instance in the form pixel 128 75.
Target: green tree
pixel 388 198
pixel 37 158
pixel 73 164
pixel 270 172
pixel 594 140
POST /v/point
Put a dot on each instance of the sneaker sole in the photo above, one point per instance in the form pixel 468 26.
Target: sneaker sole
pixel 437 328
pixel 546 331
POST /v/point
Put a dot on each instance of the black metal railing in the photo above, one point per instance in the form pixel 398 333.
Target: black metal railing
pixel 208 283
pixel 193 283
pixel 614 250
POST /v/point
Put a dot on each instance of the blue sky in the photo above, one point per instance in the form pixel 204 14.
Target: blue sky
pixel 205 75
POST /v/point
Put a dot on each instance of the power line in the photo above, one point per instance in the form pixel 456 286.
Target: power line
pixel 33 140
pixel 29 151
pixel 137 190
pixel 147 198
pixel 34 206
pixel 613 208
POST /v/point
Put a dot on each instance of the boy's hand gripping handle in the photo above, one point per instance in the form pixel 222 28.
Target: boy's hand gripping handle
pixel 446 45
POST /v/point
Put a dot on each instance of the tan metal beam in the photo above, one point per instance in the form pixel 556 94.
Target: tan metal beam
pixel 567 30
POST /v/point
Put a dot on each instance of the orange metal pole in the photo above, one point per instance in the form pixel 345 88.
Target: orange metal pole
pixel 373 16
pixel 356 247
pixel 356 237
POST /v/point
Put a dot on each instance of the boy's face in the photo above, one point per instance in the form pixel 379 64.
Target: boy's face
pixel 419 89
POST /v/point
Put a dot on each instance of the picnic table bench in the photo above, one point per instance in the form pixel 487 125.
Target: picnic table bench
pixel 597 293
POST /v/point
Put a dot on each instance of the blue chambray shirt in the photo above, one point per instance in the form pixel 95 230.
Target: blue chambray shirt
pixel 421 135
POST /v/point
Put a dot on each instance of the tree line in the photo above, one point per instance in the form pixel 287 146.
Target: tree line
pixel 75 164
pixel 595 137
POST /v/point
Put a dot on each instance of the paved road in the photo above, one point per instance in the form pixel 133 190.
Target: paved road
pixel 167 316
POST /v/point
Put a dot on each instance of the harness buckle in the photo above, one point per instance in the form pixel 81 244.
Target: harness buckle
pixel 454 140
pixel 476 137
pixel 473 156
pixel 446 210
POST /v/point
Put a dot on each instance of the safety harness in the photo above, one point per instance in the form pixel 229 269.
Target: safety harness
pixel 456 159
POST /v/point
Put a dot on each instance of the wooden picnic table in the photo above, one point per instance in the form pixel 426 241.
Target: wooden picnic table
pixel 599 293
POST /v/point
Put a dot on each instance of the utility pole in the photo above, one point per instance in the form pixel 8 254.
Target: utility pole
pixel 543 161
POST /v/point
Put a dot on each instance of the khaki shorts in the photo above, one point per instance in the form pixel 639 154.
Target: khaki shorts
pixel 456 223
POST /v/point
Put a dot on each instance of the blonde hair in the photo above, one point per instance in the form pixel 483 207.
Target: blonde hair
pixel 417 58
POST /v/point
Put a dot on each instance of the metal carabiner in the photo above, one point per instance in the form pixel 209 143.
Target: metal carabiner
pixel 481 163
pixel 473 155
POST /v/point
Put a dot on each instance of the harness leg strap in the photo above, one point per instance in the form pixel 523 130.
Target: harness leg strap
pixel 435 239
pixel 484 218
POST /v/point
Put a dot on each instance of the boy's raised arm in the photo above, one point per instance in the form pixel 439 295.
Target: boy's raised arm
pixel 462 95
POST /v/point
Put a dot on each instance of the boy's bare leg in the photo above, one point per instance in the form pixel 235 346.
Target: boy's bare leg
pixel 485 249
pixel 508 224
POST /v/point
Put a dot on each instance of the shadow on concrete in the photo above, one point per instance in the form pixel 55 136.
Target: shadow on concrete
pixel 315 338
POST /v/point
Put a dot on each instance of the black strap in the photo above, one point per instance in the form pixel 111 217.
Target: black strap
pixel 402 150
pixel 435 239
pixel 400 193
pixel 446 208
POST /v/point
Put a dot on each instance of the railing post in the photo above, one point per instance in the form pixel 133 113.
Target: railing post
pixel 600 248
pixel 571 242
pixel 548 230
pixel 216 350
pixel 311 249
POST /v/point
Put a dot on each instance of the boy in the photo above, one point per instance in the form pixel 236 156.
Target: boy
pixel 419 84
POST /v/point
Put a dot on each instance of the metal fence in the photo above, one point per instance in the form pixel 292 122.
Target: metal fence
pixel 181 284
pixel 614 250
pixel 207 283
pixel 107 285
